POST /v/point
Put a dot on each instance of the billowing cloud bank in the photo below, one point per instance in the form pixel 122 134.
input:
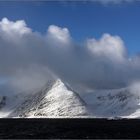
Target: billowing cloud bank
pixel 27 57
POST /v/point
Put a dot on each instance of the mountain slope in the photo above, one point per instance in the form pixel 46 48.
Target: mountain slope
pixel 55 100
pixel 113 103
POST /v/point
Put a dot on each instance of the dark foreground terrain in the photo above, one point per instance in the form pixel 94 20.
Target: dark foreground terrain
pixel 69 128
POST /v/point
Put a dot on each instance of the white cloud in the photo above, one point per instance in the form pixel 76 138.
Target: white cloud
pixel 108 46
pixel 13 30
pixel 58 34
pixel 102 63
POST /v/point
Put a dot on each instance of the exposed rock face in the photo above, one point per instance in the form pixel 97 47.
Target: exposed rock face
pixel 2 101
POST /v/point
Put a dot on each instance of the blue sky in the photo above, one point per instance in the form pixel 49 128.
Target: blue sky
pixel 83 19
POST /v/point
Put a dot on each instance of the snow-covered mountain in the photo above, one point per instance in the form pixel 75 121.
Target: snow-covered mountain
pixel 55 100
pixel 58 99
pixel 121 103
